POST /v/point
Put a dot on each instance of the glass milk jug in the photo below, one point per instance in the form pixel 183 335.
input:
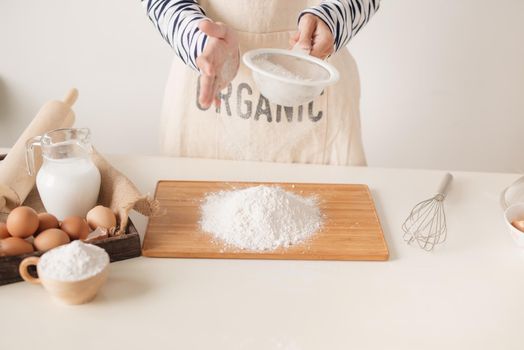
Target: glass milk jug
pixel 68 181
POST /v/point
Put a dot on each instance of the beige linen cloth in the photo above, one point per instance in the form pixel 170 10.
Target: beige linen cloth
pixel 17 186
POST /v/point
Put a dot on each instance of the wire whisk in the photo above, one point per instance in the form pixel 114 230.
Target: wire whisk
pixel 426 224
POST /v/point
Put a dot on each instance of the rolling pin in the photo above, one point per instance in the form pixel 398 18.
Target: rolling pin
pixel 15 182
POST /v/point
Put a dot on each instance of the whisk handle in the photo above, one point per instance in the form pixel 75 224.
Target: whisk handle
pixel 444 184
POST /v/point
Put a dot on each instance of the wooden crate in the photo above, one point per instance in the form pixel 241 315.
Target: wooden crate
pixel 122 247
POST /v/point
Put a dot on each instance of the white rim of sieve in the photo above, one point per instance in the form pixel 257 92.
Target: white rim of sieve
pixel 333 72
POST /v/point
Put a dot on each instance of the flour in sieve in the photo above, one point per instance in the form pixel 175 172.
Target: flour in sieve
pixel 277 69
pixel 73 262
pixel 260 217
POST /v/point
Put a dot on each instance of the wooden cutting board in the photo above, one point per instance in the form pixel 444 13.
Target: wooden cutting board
pixel 351 229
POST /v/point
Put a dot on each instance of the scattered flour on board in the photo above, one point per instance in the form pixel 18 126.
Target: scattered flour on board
pixel 73 262
pixel 260 217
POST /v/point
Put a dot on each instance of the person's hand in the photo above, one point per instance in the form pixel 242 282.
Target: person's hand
pixel 314 36
pixel 218 62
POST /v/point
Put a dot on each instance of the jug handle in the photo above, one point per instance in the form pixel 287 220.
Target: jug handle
pixel 30 153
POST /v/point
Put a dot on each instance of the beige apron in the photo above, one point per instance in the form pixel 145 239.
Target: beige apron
pixel 247 126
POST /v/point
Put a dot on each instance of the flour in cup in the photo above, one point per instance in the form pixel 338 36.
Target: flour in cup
pixel 260 218
pixel 73 262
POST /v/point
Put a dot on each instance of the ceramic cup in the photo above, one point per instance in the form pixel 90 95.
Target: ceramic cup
pixel 515 212
pixel 68 292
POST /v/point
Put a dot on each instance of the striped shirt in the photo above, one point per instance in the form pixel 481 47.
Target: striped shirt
pixel 177 21
pixel 344 18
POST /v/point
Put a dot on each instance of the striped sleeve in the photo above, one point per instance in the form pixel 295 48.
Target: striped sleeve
pixel 177 21
pixel 344 18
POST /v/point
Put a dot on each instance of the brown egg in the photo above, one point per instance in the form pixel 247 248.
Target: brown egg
pixel 15 246
pixel 518 224
pixel 101 216
pixel 22 222
pixel 46 221
pixel 3 231
pixel 50 239
pixel 76 227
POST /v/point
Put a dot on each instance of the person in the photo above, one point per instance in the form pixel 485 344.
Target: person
pixel 209 37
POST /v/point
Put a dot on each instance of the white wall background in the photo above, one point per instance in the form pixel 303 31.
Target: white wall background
pixel 442 81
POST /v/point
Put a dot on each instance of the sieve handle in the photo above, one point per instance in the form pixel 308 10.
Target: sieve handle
pixel 300 50
pixel 444 184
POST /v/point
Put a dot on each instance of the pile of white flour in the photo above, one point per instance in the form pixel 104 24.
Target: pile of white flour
pixel 260 218
pixel 73 262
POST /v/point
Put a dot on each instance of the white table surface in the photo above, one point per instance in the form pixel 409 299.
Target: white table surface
pixel 467 294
